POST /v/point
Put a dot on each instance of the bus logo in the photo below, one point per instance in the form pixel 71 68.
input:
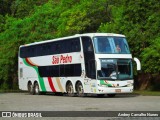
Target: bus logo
pixel 61 59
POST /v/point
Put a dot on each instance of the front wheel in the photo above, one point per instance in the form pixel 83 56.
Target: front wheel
pixel 70 90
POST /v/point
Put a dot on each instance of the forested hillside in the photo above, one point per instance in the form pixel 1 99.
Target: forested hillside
pixel 26 21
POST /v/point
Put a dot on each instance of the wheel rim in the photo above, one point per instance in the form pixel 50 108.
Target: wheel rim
pixel 70 89
pixel 80 90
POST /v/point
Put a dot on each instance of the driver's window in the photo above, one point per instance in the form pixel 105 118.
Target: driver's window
pixel 92 69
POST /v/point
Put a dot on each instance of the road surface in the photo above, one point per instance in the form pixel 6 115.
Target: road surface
pixel 50 102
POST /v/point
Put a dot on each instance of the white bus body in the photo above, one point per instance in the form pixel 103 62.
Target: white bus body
pixel 77 65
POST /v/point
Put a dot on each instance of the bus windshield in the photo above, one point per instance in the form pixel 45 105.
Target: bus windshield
pixel 110 45
pixel 113 69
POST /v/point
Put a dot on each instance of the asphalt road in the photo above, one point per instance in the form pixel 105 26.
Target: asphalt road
pixel 50 102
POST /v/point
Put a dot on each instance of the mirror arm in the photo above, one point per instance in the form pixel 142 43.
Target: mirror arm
pixel 138 63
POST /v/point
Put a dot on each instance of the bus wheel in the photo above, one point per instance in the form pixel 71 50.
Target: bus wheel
pixel 111 95
pixel 36 89
pixel 80 91
pixel 30 88
pixel 70 90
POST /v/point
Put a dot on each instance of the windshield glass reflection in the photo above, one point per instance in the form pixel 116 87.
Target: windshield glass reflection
pixel 111 45
pixel 115 69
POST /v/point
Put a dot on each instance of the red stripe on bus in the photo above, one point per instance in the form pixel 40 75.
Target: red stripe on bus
pixel 51 84
pixel 29 62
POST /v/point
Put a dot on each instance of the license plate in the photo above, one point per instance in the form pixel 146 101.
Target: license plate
pixel 118 90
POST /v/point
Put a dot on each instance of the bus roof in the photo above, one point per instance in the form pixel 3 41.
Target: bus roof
pixel 76 35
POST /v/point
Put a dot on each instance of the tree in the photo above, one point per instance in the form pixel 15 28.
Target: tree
pixel 83 17
pixel 23 8
pixel 5 7
pixel 151 57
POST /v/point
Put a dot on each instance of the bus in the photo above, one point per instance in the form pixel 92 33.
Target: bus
pixel 90 63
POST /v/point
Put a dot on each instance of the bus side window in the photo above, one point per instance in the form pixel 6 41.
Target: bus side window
pixel 53 48
pixel 75 45
pixel 65 46
pixel 62 47
pixel 91 67
pixel 22 52
pixel 88 57
pixel 57 48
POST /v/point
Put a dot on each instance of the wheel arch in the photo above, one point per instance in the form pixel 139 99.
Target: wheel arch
pixel 35 82
pixel 29 82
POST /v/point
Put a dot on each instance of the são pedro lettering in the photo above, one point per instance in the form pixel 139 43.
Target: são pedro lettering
pixel 61 59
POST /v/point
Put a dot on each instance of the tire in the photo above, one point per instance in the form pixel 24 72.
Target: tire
pixel 80 90
pixel 70 90
pixel 30 88
pixel 36 89
pixel 111 95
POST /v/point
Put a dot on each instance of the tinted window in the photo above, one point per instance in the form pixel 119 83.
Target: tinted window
pixel 89 57
pixel 60 70
pixel 57 47
pixel 75 45
pixel 111 45
pixel 49 71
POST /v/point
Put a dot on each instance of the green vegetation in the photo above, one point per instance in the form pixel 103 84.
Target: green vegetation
pixel 26 21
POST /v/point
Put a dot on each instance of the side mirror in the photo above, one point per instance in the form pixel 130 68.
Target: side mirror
pixel 138 63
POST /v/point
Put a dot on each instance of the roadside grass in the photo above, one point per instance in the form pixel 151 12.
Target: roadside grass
pixel 10 91
pixel 147 92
